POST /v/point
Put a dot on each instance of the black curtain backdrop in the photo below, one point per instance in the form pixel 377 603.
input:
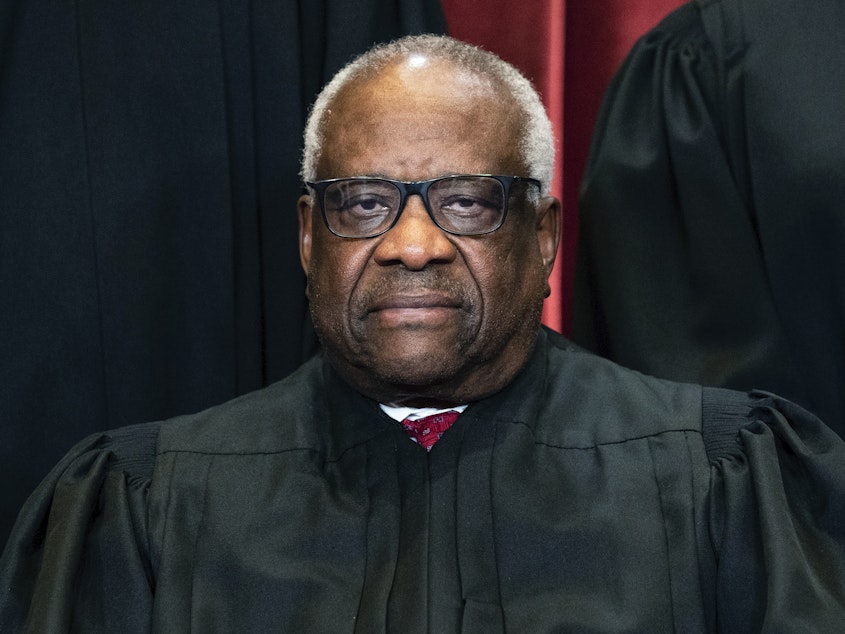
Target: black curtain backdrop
pixel 148 179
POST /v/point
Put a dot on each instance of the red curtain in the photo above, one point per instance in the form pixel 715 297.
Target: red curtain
pixel 569 49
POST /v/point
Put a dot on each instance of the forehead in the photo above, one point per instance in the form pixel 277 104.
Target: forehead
pixel 419 118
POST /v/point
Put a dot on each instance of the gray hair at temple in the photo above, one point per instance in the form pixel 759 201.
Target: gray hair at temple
pixel 537 143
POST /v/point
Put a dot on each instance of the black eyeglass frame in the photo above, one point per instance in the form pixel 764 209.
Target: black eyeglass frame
pixel 420 188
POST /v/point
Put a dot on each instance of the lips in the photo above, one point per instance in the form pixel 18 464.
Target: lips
pixel 430 298
pixel 413 310
pixel 414 302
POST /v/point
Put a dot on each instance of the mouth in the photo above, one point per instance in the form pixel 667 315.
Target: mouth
pixel 417 310
pixel 414 302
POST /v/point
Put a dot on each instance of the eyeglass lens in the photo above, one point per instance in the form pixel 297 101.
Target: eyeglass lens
pixel 463 205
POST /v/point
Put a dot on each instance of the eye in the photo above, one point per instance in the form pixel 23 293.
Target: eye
pixel 365 205
pixel 467 206
pixel 361 198
pixel 466 197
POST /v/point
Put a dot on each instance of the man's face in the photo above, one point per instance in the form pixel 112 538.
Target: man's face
pixel 416 315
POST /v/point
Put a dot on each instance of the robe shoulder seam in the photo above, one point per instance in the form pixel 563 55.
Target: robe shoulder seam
pixel 621 441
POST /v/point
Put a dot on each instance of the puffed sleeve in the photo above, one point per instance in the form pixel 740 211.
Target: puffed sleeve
pixel 77 558
pixel 669 276
pixel 776 515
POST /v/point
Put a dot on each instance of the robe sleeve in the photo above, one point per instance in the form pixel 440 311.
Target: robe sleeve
pixel 777 515
pixel 78 556
pixel 670 279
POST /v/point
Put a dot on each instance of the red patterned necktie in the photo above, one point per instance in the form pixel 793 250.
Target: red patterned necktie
pixel 428 430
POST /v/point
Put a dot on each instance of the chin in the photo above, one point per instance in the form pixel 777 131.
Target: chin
pixel 425 353
pixel 397 379
pixel 412 373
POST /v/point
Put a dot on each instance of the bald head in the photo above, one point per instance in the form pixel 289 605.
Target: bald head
pixel 473 68
pixel 429 105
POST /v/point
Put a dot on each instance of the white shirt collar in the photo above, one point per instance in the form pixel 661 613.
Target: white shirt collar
pixel 401 413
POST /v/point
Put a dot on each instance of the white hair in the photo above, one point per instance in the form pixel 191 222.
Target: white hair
pixel 537 145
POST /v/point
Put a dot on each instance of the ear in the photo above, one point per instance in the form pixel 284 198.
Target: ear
pixel 305 209
pixel 548 231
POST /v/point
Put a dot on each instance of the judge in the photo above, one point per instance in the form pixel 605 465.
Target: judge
pixel 549 490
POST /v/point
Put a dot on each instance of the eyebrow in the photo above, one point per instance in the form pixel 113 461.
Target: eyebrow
pixel 387 177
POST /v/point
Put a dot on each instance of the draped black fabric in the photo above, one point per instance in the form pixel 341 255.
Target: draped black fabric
pixel 712 232
pixel 582 498
pixel 148 181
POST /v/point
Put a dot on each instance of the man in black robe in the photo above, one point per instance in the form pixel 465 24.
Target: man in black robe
pixel 445 464
pixel 712 222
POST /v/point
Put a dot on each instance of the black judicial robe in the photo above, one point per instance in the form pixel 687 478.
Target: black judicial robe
pixel 582 498
pixel 149 153
pixel 712 220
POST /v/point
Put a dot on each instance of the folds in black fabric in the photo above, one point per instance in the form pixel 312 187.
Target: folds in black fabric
pixel 711 225
pixel 148 239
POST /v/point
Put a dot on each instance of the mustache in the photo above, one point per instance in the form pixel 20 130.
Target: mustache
pixel 404 283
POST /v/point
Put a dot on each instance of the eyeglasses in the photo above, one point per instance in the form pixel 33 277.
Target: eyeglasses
pixel 463 204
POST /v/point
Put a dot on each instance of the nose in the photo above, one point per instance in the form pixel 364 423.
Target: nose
pixel 415 241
